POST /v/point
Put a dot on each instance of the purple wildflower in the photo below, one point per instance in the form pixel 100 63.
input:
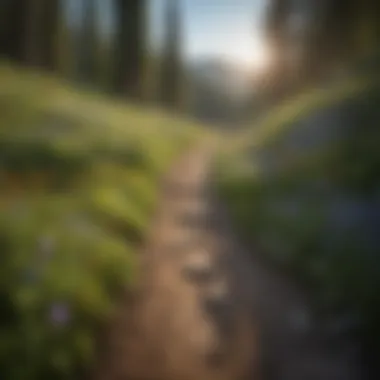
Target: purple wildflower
pixel 60 314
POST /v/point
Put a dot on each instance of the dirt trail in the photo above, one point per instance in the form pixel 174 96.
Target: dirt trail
pixel 205 309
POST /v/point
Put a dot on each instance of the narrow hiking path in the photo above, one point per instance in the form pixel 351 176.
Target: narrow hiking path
pixel 191 317
pixel 205 308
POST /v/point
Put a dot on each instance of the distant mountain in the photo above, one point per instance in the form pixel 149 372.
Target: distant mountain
pixel 224 76
pixel 219 90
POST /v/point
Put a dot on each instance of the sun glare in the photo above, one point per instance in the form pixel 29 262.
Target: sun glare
pixel 253 57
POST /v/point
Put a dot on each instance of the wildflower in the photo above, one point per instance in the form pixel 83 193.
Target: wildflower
pixel 59 314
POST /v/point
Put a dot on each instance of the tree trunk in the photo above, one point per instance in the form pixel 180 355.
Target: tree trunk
pixel 29 30
pixel 129 48
pixel 171 78
pixel 13 32
pixel 50 34
pixel 88 58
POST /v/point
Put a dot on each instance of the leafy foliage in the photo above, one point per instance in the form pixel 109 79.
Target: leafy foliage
pixel 309 197
pixel 79 176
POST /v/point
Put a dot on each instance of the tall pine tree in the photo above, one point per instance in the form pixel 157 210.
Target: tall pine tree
pixel 14 15
pixel 50 27
pixel 368 28
pixel 32 33
pixel 330 40
pixel 89 43
pixel 277 35
pixel 130 48
pixel 171 65
pixel 28 35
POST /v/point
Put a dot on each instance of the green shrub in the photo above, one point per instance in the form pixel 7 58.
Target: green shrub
pixel 79 178
pixel 314 214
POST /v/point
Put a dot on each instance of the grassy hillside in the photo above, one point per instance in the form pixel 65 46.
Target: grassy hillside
pixel 79 175
pixel 303 185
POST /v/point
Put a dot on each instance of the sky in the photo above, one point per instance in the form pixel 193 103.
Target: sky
pixel 220 28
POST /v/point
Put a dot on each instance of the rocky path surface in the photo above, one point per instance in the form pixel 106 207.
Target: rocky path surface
pixel 205 309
